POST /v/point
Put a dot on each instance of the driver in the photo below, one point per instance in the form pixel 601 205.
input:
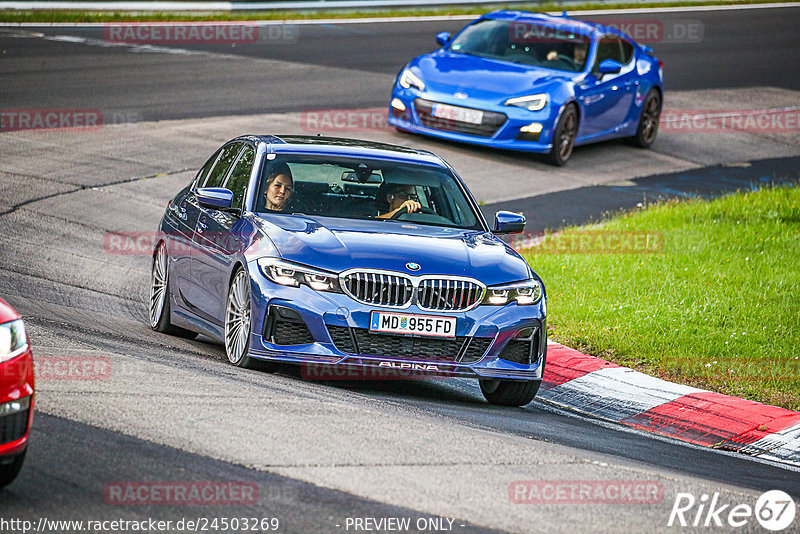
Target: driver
pixel 579 52
pixel 399 196
pixel 279 187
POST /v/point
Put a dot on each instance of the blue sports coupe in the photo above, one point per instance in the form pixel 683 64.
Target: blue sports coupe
pixel 531 82
pixel 348 254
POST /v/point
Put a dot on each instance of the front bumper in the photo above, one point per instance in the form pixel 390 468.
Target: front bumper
pixel 506 135
pixel 298 324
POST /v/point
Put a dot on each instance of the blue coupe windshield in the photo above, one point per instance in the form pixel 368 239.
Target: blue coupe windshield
pixel 366 189
pixel 559 48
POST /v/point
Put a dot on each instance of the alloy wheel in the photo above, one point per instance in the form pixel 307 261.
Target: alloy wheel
pixel 237 318
pixel 158 287
pixel 650 119
pixel 567 138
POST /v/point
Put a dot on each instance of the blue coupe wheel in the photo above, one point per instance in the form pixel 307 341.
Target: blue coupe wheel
pixel 564 137
pixel 648 122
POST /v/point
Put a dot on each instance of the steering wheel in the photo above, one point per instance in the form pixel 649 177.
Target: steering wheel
pixel 404 210
pixel 567 59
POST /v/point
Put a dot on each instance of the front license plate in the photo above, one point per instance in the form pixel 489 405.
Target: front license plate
pixel 405 323
pixel 454 113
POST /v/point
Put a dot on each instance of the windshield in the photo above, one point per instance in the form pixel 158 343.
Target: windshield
pixel 363 189
pixel 558 48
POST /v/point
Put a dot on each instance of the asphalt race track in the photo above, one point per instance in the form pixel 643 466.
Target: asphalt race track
pixel 324 453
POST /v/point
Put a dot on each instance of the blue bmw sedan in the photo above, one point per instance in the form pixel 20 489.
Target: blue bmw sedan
pixel 532 82
pixel 348 254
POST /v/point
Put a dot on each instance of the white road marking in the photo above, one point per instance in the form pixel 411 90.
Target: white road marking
pixel 616 393
pixel 133 47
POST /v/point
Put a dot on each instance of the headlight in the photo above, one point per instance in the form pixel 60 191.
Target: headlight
pixel 287 273
pixel 409 79
pixel 527 292
pixel 531 102
pixel 13 340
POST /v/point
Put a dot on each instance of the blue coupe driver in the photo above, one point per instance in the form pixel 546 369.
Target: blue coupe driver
pixel 532 82
pixel 348 254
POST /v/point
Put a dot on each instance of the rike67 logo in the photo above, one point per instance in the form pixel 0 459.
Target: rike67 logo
pixel 774 511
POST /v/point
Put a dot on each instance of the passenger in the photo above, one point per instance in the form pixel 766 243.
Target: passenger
pixel 397 197
pixel 279 187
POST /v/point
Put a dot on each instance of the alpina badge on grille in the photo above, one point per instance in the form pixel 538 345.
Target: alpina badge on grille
pixel 406 323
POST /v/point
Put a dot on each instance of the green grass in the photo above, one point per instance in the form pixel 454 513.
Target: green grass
pixel 717 307
pixel 106 16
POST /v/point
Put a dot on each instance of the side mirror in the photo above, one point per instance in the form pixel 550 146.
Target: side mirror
pixel 609 66
pixel 508 222
pixel 217 198
pixel 442 38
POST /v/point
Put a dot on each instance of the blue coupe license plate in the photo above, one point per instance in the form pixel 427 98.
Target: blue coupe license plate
pixel 455 113
pixel 407 323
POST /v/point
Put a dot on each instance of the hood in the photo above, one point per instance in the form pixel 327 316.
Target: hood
pixel 447 72
pixel 336 245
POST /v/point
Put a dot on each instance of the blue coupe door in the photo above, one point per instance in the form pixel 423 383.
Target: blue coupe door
pixel 606 99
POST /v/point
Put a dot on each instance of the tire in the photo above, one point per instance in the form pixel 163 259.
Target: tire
pixel 564 137
pixel 238 322
pixel 509 392
pixel 159 296
pixel 9 471
pixel 647 129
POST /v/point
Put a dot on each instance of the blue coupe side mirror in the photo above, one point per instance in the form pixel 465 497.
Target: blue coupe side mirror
pixel 609 66
pixel 217 198
pixel 442 38
pixel 508 222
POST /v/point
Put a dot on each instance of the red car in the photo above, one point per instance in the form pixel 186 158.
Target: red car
pixel 16 393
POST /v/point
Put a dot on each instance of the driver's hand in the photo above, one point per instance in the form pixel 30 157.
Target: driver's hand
pixel 551 55
pixel 411 206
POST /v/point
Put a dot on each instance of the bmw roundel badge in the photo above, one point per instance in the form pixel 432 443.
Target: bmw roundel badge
pixel 411 266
